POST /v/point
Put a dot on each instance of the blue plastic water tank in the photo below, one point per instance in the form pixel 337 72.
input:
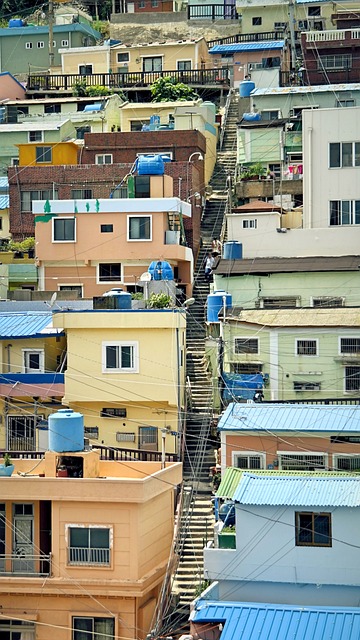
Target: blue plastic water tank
pixel 16 22
pixel 161 270
pixel 97 106
pixel 215 302
pixel 251 117
pixel 245 88
pixel 66 431
pixel 120 299
pixel 151 165
pixel 232 250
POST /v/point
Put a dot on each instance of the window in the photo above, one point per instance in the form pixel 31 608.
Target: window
pixel 141 4
pixel 106 228
pixel 71 287
pixel 301 462
pixel 1 223
pixel 246 345
pixel 64 43
pixel 340 62
pixel 142 186
pixel 275 170
pixel 307 386
pixel 270 114
pixel 64 230
pixel 121 357
pixel 123 57
pixel 139 227
pixel 314 12
pixel 80 131
pixel 245 367
pixel 328 301
pixel 15 629
pixel 137 125
pixel 93 628
pixel 249 224
pixel 184 65
pixel 28 45
pixel 40 45
pixel 352 379
pixel 152 64
pixel 27 197
pixel 154 3
pixel 344 212
pixel 109 272
pixel 350 345
pixel 33 361
pixel 36 136
pixel 14 162
pixel 92 432
pixel 306 347
pixel 251 460
pixel 346 103
pixel 257 21
pixel 125 436
pixel 89 546
pixel 43 154
pixel 270 63
pixel 85 69
pixel 81 194
pixel 52 108
pixel 313 529
pixel 344 154
pixel 121 192
pixel 285 302
pixel 346 462
pixel 104 158
pixel 113 412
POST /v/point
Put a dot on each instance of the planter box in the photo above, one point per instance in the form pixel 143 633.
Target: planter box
pixel 227 540
pixel 6 471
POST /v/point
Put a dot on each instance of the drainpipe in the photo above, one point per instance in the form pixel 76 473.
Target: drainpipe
pixel 309 160
pixel 8 357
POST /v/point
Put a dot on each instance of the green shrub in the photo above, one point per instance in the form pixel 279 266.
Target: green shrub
pixel 159 301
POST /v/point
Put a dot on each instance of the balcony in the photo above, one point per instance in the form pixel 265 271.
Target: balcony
pixel 268 188
pixel 212 12
pixel 338 36
pixel 44 83
pixel 24 564
pixel 248 37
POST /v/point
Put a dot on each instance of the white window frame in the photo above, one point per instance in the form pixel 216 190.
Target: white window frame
pixel 249 223
pixel 89 526
pixel 244 454
pixel 309 355
pixel 40 44
pixel 112 282
pixel 128 228
pixel 350 392
pixel 28 45
pixel 324 455
pixel 119 344
pixel 25 355
pixel 325 298
pixel 349 354
pixel 37 131
pixel 15 162
pixel 98 156
pixel 123 53
pixel 64 43
pixel 246 353
pixel 336 456
pixel 53 221
pixel 353 154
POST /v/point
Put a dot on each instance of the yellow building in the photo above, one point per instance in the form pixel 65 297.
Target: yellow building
pixel 84 556
pixel 126 374
pixel 51 153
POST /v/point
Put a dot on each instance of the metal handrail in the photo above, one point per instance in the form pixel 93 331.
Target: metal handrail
pixel 224 118
pixel 25 564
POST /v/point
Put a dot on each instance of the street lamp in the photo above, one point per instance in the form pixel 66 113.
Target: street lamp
pixel 196 153
pixel 190 160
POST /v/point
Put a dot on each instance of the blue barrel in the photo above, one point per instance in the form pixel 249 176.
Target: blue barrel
pixel 161 270
pixel 66 431
pixel 245 88
pixel 215 302
pixel 122 300
pixel 16 22
pixel 151 165
pixel 251 117
pixel 232 250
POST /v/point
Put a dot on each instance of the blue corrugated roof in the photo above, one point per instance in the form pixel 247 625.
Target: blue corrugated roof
pixel 26 325
pixel 248 46
pixel 257 621
pixel 291 417
pixel 4 202
pixel 308 491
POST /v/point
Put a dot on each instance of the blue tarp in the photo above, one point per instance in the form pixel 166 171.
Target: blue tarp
pixel 241 385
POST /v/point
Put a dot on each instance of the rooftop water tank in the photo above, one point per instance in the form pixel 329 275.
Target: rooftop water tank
pixel 66 431
pixel 16 22
pixel 245 88
pixel 151 165
pixel 251 117
pixel 215 302
pixel 232 250
pixel 161 270
pixel 97 106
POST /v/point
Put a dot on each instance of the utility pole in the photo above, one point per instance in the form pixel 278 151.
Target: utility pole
pixel 291 13
pixel 51 35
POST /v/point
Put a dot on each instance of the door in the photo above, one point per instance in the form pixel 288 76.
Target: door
pixel 21 433
pixel 148 438
pixel 23 538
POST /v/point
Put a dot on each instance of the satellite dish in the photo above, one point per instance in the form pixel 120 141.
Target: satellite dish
pixel 145 277
pixel 53 299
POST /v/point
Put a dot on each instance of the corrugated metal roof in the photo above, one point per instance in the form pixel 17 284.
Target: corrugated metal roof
pixel 334 317
pixel 306 491
pixel 319 88
pixel 258 621
pixel 248 46
pixel 4 202
pixel 232 476
pixel 26 325
pixel 287 265
pixel 306 418
pixel 22 306
pixel 4 182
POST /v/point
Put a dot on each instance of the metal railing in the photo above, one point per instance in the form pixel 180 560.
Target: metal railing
pixel 25 564
pixel 66 82
pixel 85 556
pixel 224 118
pixel 19 453
pixel 248 37
pixel 138 455
pixel 204 11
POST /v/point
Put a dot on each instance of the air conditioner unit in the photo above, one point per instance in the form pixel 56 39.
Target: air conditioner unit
pixel 303 25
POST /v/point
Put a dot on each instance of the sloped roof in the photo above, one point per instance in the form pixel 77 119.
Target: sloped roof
pixel 288 265
pixel 264 45
pixel 264 417
pixel 256 205
pixel 306 491
pixel 313 317
pixel 26 325
pixel 259 621
pixel 310 89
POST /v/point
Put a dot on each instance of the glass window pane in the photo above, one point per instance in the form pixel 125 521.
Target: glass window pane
pixel 127 360
pixel 99 538
pixel 305 528
pixel 334 212
pixel 334 154
pixel 79 537
pixel 83 628
pixel 357 211
pixel 104 628
pixel 112 361
pixel 346 154
pixel 321 529
pixel 345 212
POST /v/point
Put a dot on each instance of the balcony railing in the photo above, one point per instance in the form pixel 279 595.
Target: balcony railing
pixel 333 35
pixel 248 37
pixel 83 556
pixel 212 12
pixel 26 564
pixel 138 455
pixel 133 80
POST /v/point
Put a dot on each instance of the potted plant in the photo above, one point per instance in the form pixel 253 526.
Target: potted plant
pixel 253 172
pixel 137 300
pixel 6 468
pixel 159 301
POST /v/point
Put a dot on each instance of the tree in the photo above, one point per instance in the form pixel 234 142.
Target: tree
pixel 167 89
